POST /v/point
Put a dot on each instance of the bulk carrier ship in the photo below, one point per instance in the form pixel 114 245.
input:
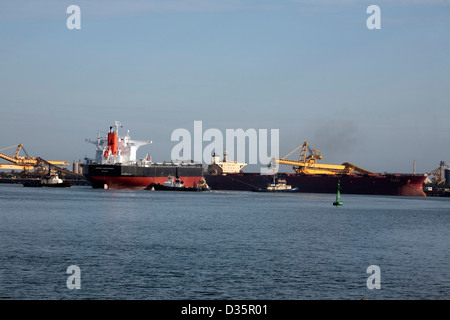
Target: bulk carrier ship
pixel 116 166
pixel 312 177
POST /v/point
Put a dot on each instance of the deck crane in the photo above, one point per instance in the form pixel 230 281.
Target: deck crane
pixel 25 163
pixel 307 163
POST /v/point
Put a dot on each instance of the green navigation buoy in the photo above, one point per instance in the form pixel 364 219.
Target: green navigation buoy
pixel 338 201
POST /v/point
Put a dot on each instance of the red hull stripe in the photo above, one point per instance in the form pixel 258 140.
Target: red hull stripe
pixel 138 182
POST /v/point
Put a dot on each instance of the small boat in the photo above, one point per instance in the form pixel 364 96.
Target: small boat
pixel 175 184
pixel 50 181
pixel 278 185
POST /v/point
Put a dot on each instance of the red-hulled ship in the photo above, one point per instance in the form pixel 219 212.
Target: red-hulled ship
pixel 116 166
pixel 312 177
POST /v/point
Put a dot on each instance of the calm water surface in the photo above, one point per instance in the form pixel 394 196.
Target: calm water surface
pixel 220 245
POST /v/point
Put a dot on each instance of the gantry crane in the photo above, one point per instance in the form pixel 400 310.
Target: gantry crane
pixel 26 163
pixel 307 163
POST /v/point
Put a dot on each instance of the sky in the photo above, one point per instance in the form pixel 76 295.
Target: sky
pixel 312 69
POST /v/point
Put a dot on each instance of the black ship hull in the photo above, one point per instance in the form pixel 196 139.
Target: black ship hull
pixel 383 184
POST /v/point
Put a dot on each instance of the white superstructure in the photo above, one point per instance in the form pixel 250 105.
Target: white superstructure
pixel 225 166
pixel 115 149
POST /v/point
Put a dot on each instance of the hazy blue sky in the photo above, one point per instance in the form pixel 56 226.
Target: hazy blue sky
pixel 312 69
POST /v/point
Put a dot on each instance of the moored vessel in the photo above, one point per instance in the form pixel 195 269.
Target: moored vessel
pixel 52 180
pixel 312 177
pixel 117 167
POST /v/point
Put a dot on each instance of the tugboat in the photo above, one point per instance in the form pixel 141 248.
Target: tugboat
pixel 52 180
pixel 175 184
pixel 278 185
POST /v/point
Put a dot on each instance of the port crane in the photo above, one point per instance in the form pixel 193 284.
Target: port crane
pixel 26 163
pixel 437 175
pixel 307 163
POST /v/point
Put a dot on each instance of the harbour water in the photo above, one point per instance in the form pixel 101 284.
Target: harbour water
pixel 165 245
